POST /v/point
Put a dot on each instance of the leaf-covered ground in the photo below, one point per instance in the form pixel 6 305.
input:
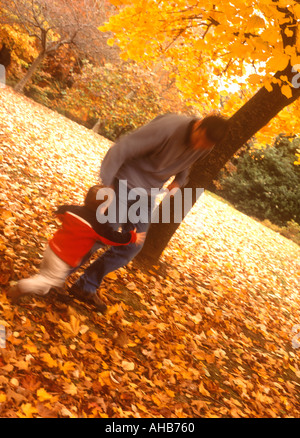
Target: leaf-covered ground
pixel 210 331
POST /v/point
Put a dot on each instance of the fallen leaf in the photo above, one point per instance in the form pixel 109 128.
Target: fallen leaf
pixel 49 360
pixel 70 388
pixel 72 328
pixel 28 410
pixel 43 394
pixel 203 391
pixel 127 366
pixel 111 276
pixel 131 286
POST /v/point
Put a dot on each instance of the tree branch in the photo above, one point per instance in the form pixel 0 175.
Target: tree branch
pixel 289 24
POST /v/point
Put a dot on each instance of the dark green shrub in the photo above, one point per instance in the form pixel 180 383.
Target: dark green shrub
pixel 265 183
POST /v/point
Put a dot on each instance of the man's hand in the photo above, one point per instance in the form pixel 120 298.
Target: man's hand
pixel 140 238
pixel 173 187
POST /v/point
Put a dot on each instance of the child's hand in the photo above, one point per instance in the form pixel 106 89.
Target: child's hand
pixel 140 238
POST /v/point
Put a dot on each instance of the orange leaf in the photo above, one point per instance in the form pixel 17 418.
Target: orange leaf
pixel 43 394
pixel 127 366
pixel 203 391
pixel 156 400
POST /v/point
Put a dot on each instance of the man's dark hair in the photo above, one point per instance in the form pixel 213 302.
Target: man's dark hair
pixel 216 127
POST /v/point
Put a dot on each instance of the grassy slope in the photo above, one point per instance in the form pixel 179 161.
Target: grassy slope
pixel 207 332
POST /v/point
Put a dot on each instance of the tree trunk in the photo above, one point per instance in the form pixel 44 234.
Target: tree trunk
pixel 32 69
pixel 249 119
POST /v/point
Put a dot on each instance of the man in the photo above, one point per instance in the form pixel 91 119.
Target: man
pixel 147 158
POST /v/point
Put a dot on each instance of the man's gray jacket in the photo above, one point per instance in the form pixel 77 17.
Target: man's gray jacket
pixel 151 155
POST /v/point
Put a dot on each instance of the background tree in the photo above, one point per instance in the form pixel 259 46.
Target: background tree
pixel 52 24
pixel 213 45
pixel 117 98
pixel 5 56
pixel 20 46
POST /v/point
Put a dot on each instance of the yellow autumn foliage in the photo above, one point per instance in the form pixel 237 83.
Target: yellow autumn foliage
pixel 233 46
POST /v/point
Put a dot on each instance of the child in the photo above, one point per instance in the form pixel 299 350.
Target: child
pixel 65 251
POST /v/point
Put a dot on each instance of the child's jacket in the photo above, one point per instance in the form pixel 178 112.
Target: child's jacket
pixel 80 230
